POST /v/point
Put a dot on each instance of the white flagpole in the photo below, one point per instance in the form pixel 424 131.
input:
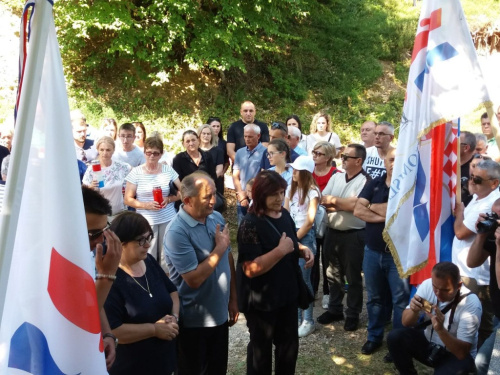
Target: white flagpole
pixel 22 141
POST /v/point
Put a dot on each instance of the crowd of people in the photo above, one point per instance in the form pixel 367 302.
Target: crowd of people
pixel 170 285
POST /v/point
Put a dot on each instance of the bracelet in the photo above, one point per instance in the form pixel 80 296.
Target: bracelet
pixel 101 276
pixel 176 317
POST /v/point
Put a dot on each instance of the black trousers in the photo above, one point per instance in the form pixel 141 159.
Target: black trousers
pixel 344 252
pixel 408 343
pixel 315 274
pixel 278 327
pixel 203 350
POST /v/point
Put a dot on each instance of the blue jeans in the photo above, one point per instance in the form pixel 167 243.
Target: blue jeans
pixel 241 211
pixel 484 353
pixel 308 240
pixel 380 270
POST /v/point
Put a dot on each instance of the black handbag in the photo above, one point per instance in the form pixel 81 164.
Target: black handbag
pixel 306 295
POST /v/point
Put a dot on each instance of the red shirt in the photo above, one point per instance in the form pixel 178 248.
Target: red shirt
pixel 322 181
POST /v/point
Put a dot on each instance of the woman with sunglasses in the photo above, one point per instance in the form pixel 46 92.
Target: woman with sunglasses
pixel 294 121
pixel 143 304
pixel 114 173
pixel 139 194
pixel 320 130
pixel 140 134
pixel 216 125
pixel 208 143
pixel 278 154
pixel 323 154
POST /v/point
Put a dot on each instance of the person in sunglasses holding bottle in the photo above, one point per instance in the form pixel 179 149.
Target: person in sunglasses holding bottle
pixel 483 185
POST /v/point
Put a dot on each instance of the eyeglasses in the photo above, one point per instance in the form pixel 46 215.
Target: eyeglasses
pixel 143 239
pixel 127 136
pixel 270 154
pixel 154 153
pixel 345 157
pixel 317 153
pixel 95 235
pixel 477 180
pixel 380 134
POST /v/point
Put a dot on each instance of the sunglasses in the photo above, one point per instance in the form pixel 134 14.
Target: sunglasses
pixel 479 180
pixel 345 157
pixel 154 153
pixel 211 119
pixel 95 235
pixel 143 239
pixel 317 153
pixel 279 125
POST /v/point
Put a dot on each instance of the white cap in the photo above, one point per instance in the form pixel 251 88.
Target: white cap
pixel 303 163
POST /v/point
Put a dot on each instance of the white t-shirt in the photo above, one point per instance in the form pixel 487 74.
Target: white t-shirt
pixel 312 139
pixel 374 164
pixel 133 158
pixel 465 321
pixel 145 184
pixel 297 211
pixel 460 248
pixel 114 177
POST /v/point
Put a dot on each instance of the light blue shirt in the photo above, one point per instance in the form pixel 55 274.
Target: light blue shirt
pixel 287 174
pixel 187 243
pixel 300 151
pixel 248 163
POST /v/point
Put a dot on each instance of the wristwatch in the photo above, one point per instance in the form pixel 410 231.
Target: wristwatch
pixel 112 336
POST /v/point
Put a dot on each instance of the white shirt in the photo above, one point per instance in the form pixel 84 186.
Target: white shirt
pixel 465 321
pixel 133 158
pixel 298 211
pixel 312 139
pixel 374 164
pixel 460 248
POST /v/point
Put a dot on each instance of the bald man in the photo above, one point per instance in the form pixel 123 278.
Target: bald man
pixel 235 139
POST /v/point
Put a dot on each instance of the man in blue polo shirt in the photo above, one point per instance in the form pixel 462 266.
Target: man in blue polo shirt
pixel 198 255
pixel 378 265
pixel 246 166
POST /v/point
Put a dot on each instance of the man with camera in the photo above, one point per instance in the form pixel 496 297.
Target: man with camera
pixel 483 185
pixel 451 321
pixel 485 246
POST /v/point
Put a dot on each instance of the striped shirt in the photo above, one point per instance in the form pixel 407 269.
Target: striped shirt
pixel 145 184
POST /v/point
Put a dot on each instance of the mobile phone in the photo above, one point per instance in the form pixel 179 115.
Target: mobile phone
pixel 427 306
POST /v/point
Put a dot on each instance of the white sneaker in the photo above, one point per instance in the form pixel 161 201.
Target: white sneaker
pixel 325 301
pixel 306 329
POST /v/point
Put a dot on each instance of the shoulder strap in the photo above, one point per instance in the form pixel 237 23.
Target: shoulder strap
pixel 272 225
pixel 452 306
pixel 330 137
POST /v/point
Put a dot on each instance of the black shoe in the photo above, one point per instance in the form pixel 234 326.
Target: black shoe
pixel 327 317
pixel 351 324
pixel 388 358
pixel 370 347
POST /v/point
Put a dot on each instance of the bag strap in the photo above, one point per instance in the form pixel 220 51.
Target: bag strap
pixel 452 306
pixel 330 137
pixel 272 225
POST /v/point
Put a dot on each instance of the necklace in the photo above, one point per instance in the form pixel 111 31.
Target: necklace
pixel 147 291
pixel 149 170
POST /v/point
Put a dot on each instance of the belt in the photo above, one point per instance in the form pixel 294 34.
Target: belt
pixel 346 231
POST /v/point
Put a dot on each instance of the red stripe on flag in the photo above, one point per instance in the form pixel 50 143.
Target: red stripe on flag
pixel 422 38
pixel 72 291
pixel 438 135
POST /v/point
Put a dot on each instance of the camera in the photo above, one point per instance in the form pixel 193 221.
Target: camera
pixel 490 224
pixel 436 352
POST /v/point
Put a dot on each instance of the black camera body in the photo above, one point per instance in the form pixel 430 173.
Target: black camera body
pixel 436 352
pixel 490 224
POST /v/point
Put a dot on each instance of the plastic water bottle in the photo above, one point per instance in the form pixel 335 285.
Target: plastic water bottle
pixel 96 168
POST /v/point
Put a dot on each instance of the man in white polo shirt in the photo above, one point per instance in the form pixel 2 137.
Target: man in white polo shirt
pixel 345 239
pixel 483 185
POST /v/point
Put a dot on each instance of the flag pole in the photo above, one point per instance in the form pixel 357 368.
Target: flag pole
pixel 22 141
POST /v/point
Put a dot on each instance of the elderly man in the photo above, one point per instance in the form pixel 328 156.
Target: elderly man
pixel 375 155
pixel 128 152
pixel 451 317
pixel 247 163
pixel 235 133
pixel 367 133
pixel 83 147
pixel 484 189
pixel 294 136
pixel 378 265
pixel 467 151
pixel 345 239
pixel 481 144
pixel 198 254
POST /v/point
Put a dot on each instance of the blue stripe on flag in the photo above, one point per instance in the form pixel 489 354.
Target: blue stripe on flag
pixel 29 351
pixel 447 235
pixel 443 52
pixel 420 213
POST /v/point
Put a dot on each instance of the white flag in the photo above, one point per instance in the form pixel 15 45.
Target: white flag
pixel 50 323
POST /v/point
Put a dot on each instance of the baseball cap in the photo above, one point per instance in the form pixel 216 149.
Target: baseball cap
pixel 303 163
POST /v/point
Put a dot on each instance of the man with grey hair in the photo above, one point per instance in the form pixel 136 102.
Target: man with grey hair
pixel 198 254
pixel 375 155
pixel 294 135
pixel 481 144
pixel 246 166
pixel 467 151
pixel 483 186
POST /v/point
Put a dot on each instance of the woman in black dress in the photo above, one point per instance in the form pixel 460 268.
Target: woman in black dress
pixel 216 125
pixel 143 305
pixel 267 277
pixel 208 143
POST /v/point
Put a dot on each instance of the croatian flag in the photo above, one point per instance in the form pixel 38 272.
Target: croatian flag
pixel 445 82
pixel 50 323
